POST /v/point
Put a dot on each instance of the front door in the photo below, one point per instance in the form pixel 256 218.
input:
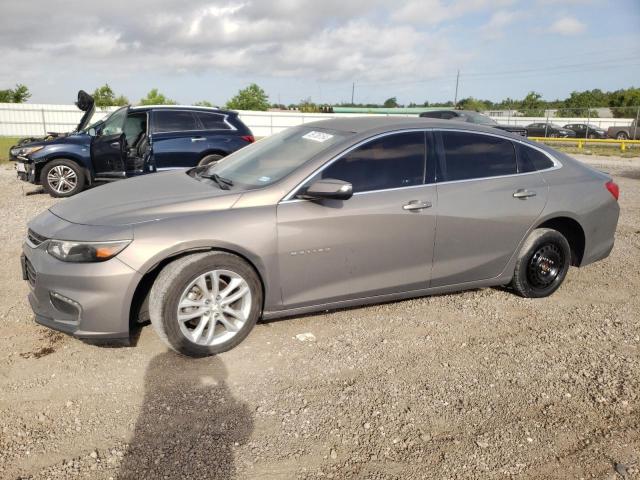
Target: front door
pixel 379 241
pixel 109 146
pixel 485 207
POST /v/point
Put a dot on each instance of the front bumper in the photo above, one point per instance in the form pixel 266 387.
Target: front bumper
pixel 25 169
pixel 86 300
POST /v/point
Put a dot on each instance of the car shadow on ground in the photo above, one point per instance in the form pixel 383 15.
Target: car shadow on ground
pixel 189 423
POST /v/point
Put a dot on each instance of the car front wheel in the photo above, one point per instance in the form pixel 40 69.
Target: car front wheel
pixel 62 178
pixel 210 160
pixel 622 136
pixel 205 303
pixel 542 264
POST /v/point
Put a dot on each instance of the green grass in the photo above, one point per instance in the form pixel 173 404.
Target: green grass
pixel 5 144
pixel 607 151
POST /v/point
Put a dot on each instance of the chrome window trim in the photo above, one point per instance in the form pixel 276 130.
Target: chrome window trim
pixel 289 197
pixel 231 127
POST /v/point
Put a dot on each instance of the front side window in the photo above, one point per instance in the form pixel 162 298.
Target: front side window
pixel 392 161
pixel 115 123
pixel 212 121
pixel 173 121
pixel 472 155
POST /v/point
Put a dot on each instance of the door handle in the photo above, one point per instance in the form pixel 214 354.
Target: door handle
pixel 198 139
pixel 115 144
pixel 416 205
pixel 523 194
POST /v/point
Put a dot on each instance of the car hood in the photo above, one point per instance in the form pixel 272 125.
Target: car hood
pixel 144 199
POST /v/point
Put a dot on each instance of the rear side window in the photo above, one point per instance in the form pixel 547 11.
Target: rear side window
pixel 392 161
pixel 469 155
pixel 530 159
pixel 212 121
pixel 173 121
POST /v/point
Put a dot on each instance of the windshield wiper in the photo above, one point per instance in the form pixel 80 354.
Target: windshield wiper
pixel 223 183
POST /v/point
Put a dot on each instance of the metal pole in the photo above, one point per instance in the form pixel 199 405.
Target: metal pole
pixel 44 122
pixel 586 134
pixel 455 99
pixel 635 128
pixel 353 89
pixel 546 125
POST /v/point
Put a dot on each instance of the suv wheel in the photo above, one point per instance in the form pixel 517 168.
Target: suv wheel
pixel 542 264
pixel 209 159
pixel 62 178
pixel 206 303
pixel 622 136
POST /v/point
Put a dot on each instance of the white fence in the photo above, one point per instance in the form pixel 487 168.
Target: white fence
pixel 29 119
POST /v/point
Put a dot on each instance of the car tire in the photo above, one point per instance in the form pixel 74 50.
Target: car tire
pixel 179 291
pixel 592 135
pixel 62 178
pixel 622 136
pixel 209 159
pixel 542 264
pixel 553 135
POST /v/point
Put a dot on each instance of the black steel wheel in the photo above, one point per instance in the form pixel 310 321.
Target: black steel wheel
pixel 542 264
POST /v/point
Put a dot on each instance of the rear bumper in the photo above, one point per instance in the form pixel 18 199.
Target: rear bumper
pixel 89 301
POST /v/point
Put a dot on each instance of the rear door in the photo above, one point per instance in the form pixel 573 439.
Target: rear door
pixel 109 146
pixel 177 138
pixel 379 241
pixel 485 206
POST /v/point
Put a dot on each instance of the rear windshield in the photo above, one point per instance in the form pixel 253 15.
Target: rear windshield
pixel 273 158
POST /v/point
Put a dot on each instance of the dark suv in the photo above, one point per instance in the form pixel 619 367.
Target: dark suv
pixel 130 141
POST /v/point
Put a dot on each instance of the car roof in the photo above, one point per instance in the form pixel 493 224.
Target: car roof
pixel 141 108
pixel 386 123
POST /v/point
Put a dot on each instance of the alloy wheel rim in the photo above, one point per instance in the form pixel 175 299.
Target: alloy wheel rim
pixel 545 266
pixel 62 179
pixel 214 307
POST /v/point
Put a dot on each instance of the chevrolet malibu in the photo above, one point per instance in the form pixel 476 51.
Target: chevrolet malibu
pixel 331 214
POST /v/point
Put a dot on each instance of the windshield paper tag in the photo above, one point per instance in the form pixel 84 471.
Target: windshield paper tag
pixel 317 136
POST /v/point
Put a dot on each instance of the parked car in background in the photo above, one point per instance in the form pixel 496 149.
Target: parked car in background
pixel 632 132
pixel 552 130
pixel 473 117
pixel 586 130
pixel 330 214
pixel 131 141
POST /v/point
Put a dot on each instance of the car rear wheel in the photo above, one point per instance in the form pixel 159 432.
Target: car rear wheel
pixel 209 159
pixel 206 303
pixel 542 264
pixel 62 178
pixel 622 136
pixel 592 135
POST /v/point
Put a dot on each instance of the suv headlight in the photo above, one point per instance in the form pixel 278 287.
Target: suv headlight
pixel 22 151
pixel 85 252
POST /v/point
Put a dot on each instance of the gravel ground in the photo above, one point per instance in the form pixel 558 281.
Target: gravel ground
pixel 480 384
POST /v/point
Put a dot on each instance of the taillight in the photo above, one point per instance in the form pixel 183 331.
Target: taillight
pixel 613 188
pixel 249 138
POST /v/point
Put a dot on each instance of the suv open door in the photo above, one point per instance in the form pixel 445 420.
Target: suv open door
pixel 109 146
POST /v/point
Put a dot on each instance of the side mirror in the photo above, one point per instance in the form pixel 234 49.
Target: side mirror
pixel 328 189
pixel 92 132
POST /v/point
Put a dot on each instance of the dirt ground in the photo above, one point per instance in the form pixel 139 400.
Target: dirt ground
pixel 480 384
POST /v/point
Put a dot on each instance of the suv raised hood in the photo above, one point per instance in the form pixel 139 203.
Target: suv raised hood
pixel 88 106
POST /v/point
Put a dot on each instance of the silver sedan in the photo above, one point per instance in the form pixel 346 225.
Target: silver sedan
pixel 331 214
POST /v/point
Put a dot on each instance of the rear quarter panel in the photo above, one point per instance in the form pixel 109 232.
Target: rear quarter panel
pixel 578 192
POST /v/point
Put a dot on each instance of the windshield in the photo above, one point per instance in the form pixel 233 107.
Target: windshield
pixel 273 158
pixel 481 119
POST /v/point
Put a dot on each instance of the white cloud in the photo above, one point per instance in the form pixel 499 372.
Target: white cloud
pixel 496 25
pixel 567 26
pixel 434 12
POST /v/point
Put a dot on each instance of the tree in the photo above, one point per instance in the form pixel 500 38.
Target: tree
pixel 622 102
pixel 532 105
pixel 307 106
pixel 154 97
pixel 20 94
pixel 105 97
pixel 390 103
pixel 473 104
pixel 250 98
pixel 203 103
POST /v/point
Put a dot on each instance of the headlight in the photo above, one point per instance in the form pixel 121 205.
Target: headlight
pixel 84 252
pixel 22 151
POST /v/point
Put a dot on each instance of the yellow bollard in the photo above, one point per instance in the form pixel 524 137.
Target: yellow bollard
pixel 623 146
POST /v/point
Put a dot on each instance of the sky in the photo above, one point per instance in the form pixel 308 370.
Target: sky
pixel 408 49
